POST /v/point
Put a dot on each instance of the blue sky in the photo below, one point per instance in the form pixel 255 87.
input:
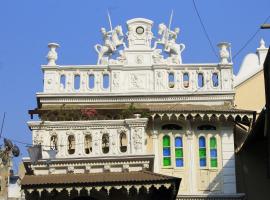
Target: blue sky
pixel 28 26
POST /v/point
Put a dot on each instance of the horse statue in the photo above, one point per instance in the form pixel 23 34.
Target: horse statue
pixel 168 40
pixel 111 42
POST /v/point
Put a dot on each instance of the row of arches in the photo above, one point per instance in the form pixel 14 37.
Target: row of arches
pixel 186 80
pixel 91 81
pixel 88 143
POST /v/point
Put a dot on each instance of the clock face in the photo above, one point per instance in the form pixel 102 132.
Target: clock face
pixel 139 30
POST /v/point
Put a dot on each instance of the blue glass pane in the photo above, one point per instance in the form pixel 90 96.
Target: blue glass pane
pixel 213 153
pixel 179 162
pixel 202 162
pixel 202 142
pixel 166 151
pixel 178 142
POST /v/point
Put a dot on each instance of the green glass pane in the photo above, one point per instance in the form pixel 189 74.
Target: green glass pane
pixel 213 143
pixel 179 153
pixel 214 162
pixel 167 161
pixel 202 152
pixel 166 141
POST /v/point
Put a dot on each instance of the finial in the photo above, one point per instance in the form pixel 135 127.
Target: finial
pixel 262 44
pixel 52 54
pixel 223 52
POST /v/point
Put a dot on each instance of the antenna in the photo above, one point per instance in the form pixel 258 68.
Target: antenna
pixel 109 18
pixel 3 121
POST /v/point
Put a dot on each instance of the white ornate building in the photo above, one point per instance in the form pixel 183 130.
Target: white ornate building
pixel 139 110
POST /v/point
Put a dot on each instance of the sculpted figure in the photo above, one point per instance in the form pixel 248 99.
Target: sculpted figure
pixel 168 40
pixel 111 40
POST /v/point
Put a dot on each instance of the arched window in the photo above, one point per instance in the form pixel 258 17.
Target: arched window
pixel 105 143
pixel 77 82
pixel 91 81
pixel 185 80
pixel 71 144
pixel 171 80
pixel 215 81
pixel 166 151
pixel 63 81
pixel 106 81
pixel 179 154
pixel 171 127
pixel 202 151
pixel 213 152
pixel 53 142
pixel 207 127
pixel 123 142
pixel 87 144
pixel 200 80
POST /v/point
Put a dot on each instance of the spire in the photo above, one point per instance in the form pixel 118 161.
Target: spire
pixel 262 44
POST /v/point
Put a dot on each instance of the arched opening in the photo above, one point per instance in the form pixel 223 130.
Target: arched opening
pixel 200 80
pixel 215 81
pixel 63 81
pixel 202 151
pixel 53 142
pixel 171 127
pixel 106 81
pixel 87 144
pixel 185 80
pixel 123 142
pixel 166 151
pixel 105 143
pixel 171 80
pixel 91 81
pixel 179 154
pixel 77 82
pixel 213 152
pixel 71 144
pixel 206 127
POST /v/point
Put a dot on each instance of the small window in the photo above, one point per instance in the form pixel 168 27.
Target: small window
pixel 213 152
pixel 87 144
pixel 166 151
pixel 202 152
pixel 206 127
pixel 200 80
pixel 105 143
pixel 71 144
pixel 123 142
pixel 91 81
pixel 77 82
pixel 215 80
pixel 179 161
pixel 106 81
pixel 171 80
pixel 171 127
pixel 63 81
pixel 53 142
pixel 185 80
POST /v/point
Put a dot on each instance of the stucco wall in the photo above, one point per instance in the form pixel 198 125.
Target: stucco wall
pixel 250 94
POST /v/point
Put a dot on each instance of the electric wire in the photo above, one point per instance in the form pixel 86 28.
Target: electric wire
pixel 250 39
pixel 204 28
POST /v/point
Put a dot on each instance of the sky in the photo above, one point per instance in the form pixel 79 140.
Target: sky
pixel 28 26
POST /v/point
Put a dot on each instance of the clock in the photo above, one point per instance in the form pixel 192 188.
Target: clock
pixel 139 30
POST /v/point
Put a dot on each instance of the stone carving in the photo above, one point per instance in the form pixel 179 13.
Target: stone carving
pixel 223 52
pixel 137 138
pixel 52 54
pixel 168 40
pixel 160 83
pixel 115 80
pixel 112 40
pixel 134 80
pixel 157 56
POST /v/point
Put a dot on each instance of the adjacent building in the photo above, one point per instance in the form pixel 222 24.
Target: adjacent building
pixel 139 124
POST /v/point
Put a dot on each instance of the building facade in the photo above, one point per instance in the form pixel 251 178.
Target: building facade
pixel 139 110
